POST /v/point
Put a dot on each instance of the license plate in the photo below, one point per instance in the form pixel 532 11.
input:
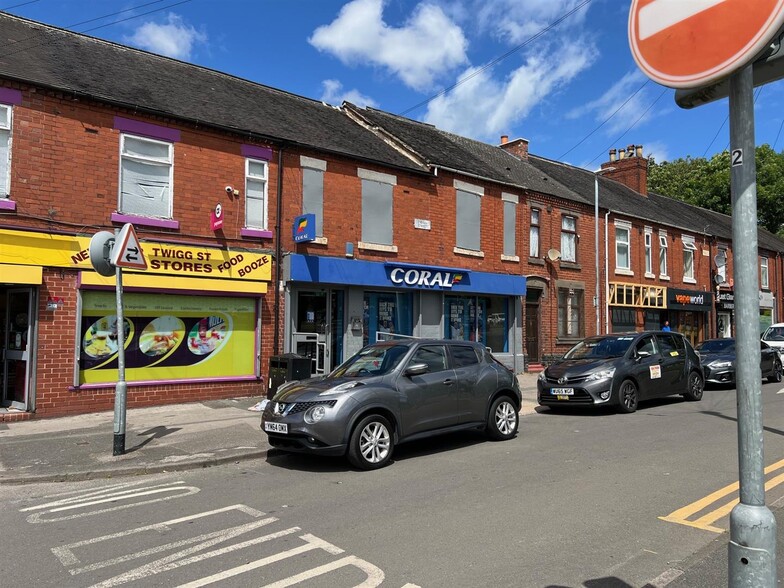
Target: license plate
pixel 276 427
pixel 562 391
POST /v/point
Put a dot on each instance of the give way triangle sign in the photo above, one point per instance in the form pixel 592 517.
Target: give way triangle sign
pixel 127 251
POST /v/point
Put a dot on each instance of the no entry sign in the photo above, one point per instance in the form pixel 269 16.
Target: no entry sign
pixel 693 43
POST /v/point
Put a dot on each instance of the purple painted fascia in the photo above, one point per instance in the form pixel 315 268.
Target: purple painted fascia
pixel 145 221
pixel 7 204
pixel 167 382
pixel 145 129
pixel 257 152
pixel 10 96
pixel 258 233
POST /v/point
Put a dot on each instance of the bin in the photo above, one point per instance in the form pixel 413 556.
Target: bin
pixel 285 368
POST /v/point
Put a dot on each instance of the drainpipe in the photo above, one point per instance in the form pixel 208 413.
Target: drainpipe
pixel 606 276
pixel 278 254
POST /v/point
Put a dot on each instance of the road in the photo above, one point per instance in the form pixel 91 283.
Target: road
pixel 577 499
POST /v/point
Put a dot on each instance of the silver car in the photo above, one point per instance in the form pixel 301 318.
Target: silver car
pixel 391 392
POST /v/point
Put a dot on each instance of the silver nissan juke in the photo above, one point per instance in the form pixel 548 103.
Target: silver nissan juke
pixel 391 392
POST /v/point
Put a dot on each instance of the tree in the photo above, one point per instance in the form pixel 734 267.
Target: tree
pixel 706 183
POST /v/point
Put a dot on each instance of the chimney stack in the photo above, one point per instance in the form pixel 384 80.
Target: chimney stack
pixel 630 168
pixel 504 139
pixel 517 147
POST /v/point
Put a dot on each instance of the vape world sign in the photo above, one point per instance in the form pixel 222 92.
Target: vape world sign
pixel 693 43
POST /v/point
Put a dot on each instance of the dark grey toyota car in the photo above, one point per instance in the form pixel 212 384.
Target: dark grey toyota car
pixel 391 392
pixel 622 369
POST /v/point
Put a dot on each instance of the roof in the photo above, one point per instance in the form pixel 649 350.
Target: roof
pixel 59 59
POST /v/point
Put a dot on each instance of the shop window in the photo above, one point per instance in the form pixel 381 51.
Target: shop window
pixel 623 320
pixel 663 255
pixel 570 313
pixel 376 208
pixel 386 315
pixel 688 258
pixel 313 190
pixel 256 194
pixel 569 239
pixel 469 211
pixel 764 283
pixel 533 250
pixel 5 150
pixel 648 253
pixel 484 319
pixel 510 224
pixel 651 320
pixel 146 170
pixel 622 246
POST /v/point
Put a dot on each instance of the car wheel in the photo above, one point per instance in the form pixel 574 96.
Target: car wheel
pixel 503 419
pixel 628 397
pixel 776 375
pixel 696 387
pixel 371 443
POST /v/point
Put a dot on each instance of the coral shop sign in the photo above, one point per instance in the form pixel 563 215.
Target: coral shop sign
pixel 425 278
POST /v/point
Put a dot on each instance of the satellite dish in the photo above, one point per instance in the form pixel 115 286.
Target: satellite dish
pixel 100 250
pixel 553 255
pixel 718 279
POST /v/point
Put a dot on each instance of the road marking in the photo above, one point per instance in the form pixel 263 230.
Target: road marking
pixel 780 391
pixel 706 521
pixel 662 14
pixel 374 575
pixel 665 578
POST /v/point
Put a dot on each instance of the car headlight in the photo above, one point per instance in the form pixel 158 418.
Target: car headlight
pixel 720 364
pixel 315 413
pixel 340 388
pixel 601 375
pixel 542 376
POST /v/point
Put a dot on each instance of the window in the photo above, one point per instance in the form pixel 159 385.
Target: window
pixel 648 253
pixel 256 194
pixel 534 234
pixel 622 247
pixel 146 168
pixel 5 151
pixel 469 209
pixel 510 224
pixel 688 258
pixel 313 190
pixel 376 207
pixel 432 355
pixel 721 266
pixel 570 313
pixel 764 273
pixel 669 345
pixel 463 356
pixel 569 239
pixel 663 255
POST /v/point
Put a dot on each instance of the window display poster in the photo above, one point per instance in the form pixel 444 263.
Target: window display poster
pixel 167 337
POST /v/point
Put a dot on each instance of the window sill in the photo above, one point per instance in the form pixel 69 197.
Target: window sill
pixel 145 221
pixel 619 271
pixel 665 278
pixel 468 252
pixel 651 276
pixel 6 204
pixel 377 247
pixel 689 281
pixel 257 233
pixel 536 261
pixel 570 265
pixel 513 258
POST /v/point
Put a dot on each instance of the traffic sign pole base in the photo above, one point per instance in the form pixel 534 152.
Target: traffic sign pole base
pixel 119 444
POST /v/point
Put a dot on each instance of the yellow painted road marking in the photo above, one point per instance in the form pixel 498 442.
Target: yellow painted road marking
pixel 705 522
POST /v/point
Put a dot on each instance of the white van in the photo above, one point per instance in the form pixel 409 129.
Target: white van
pixel 774 336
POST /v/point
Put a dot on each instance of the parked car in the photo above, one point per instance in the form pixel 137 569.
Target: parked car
pixel 718 361
pixel 391 392
pixel 622 369
pixel 774 336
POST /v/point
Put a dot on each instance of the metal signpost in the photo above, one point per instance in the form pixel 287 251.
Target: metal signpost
pixel 109 254
pixel 695 46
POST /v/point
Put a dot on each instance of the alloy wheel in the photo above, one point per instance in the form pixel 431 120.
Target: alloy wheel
pixel 506 418
pixel 374 442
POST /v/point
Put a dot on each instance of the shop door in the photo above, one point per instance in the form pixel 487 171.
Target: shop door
pixel 532 333
pixel 311 330
pixel 17 326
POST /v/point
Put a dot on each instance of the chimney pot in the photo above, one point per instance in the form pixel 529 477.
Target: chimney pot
pixel 639 151
pixel 621 154
pixel 504 139
pixel 612 154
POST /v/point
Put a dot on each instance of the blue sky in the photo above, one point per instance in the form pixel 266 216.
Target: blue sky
pixel 479 68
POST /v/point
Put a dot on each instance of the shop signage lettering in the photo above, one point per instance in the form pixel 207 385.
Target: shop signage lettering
pixel 424 278
pixel 685 299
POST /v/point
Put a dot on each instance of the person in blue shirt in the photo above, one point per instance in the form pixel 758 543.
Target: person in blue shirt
pixel 666 326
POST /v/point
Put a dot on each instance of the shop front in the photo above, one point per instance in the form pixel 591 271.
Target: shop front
pixel 636 307
pixel 334 307
pixel 191 320
pixel 725 313
pixel 767 303
pixel 689 313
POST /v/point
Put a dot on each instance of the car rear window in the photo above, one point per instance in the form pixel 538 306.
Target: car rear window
pixel 463 355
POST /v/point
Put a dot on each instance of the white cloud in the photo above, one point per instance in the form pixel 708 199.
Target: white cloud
pixel 484 108
pixel 423 50
pixel 656 149
pixel 174 38
pixel 603 108
pixel 334 94
pixel 516 21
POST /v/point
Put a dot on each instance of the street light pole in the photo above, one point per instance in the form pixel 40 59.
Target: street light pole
pixel 597 298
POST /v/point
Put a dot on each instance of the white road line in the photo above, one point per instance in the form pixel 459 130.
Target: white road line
pixel 374 575
pixel 104 491
pixel 667 577
pixel 662 14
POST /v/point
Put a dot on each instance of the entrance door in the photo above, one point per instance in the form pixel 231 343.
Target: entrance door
pixel 311 330
pixel 532 333
pixel 15 376
pixel 724 327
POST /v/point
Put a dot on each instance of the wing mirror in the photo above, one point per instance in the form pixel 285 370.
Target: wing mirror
pixel 416 369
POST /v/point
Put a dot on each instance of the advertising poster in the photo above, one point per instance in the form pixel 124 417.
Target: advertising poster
pixel 167 337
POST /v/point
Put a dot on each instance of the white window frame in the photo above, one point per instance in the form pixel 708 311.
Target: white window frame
pixel 256 178
pixel 623 226
pixel 649 253
pixel 689 249
pixel 721 270
pixel 170 162
pixel 663 247
pixel 569 234
pixel 764 276
pixel 535 228
pixel 5 191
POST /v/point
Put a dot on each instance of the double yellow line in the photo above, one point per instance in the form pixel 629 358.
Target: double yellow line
pixel 706 521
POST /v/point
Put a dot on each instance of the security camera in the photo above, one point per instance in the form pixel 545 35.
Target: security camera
pixel 229 190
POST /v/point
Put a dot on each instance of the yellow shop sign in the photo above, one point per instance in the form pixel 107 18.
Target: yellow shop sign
pixel 43 249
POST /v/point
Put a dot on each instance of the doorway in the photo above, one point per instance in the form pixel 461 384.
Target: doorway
pixel 318 328
pixel 16 313
pixel 532 333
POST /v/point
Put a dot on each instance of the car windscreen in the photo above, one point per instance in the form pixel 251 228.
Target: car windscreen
pixel 371 361
pixel 719 346
pixel 600 348
pixel 774 334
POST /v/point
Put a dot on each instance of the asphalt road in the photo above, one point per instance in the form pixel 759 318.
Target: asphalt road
pixel 593 499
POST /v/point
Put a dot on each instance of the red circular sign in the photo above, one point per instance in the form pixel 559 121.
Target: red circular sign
pixel 693 43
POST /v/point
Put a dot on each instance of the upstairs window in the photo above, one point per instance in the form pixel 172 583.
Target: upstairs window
pixel 376 207
pixel 5 150
pixel 510 224
pixel 469 212
pixel 648 253
pixel 688 258
pixel 146 170
pixel 622 246
pixel 569 239
pixel 313 190
pixel 721 267
pixel 533 250
pixel 764 283
pixel 256 194
pixel 663 255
